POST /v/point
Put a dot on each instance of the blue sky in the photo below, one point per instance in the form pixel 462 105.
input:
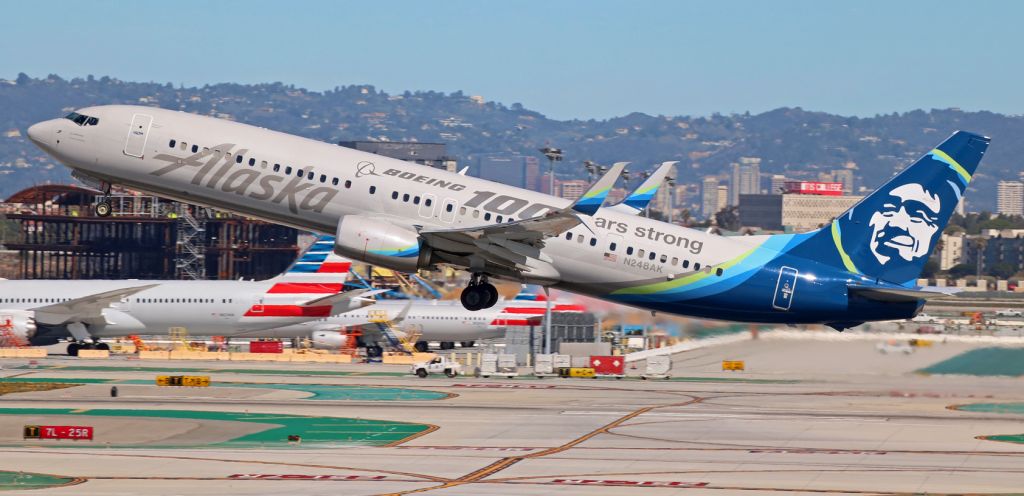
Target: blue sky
pixel 566 59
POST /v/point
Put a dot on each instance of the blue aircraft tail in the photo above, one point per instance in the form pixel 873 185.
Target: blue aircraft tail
pixel 889 235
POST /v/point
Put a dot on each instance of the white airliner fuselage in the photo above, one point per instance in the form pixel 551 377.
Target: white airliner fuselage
pixel 406 216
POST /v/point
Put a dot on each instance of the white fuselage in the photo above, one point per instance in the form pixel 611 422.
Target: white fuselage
pixel 207 161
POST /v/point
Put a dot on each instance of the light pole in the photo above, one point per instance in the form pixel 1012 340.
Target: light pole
pixel 670 182
pixel 553 155
pixel 593 169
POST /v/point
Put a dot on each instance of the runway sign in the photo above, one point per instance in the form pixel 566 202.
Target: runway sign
pixel 183 380
pixel 733 365
pixel 73 432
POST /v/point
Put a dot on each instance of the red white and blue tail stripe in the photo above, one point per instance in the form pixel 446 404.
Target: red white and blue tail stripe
pixel 317 272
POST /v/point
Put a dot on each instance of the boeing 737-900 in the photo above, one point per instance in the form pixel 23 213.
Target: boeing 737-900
pixel 862 266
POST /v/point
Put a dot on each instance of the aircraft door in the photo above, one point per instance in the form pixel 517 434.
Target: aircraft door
pixel 138 133
pixel 257 304
pixel 427 205
pixel 448 210
pixel 784 288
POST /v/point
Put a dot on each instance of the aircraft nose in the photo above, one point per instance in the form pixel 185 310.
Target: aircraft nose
pixel 41 133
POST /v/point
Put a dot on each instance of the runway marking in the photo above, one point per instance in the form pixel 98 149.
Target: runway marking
pixel 504 463
pixel 423 477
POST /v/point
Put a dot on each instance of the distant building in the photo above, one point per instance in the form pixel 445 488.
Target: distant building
pixel 746 179
pixel 521 171
pixel 430 154
pixel 813 188
pixel 777 184
pixel 723 198
pixel 844 176
pixel 709 196
pixel 1010 198
pixel 996 251
pixel 952 252
pixel 792 212
pixel 572 189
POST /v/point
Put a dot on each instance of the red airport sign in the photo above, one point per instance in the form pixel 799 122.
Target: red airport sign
pixel 73 432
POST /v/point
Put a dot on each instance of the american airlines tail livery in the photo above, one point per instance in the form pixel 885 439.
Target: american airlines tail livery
pixel 42 312
pixel 861 267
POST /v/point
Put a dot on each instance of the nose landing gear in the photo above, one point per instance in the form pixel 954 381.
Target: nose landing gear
pixel 480 294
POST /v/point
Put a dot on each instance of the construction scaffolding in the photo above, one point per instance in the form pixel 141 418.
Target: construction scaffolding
pixel 54 234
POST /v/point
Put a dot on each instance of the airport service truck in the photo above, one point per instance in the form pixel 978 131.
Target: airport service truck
pixel 438 365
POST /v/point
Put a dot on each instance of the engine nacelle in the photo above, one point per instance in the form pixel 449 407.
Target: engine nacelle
pixel 328 340
pixel 380 243
pixel 21 325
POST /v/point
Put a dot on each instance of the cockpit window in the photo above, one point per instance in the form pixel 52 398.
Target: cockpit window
pixel 81 119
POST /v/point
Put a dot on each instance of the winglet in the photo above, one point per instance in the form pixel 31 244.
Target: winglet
pixel 640 197
pixel 593 198
pixel 403 314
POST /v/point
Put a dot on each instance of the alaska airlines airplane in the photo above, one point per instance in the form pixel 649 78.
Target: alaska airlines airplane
pixel 861 267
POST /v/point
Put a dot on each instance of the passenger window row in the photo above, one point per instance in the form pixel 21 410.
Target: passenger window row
pixel 181 300
pixel 33 300
pixel 718 271
pixel 415 199
pixel 239 159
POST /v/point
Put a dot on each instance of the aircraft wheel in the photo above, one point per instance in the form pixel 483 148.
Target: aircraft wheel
pixel 447 345
pixel 103 346
pixel 491 292
pixel 468 344
pixel 73 349
pixel 473 298
pixel 103 208
pixel 421 346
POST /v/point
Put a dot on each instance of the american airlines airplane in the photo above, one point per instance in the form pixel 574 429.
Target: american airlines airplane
pixel 862 267
pixel 41 312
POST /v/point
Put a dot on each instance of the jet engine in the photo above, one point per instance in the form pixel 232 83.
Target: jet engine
pixel 380 243
pixel 17 327
pixel 328 340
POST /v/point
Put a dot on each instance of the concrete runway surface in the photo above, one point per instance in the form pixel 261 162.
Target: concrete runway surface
pixel 806 417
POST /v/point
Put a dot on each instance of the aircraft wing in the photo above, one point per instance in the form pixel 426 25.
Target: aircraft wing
pixel 344 298
pixel 638 199
pixel 514 245
pixel 894 295
pixel 86 309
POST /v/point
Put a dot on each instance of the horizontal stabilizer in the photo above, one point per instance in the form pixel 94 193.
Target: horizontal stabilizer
pixel 894 295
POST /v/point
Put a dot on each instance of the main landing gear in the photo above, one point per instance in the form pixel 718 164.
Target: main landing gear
pixel 480 294
pixel 75 346
pixel 103 207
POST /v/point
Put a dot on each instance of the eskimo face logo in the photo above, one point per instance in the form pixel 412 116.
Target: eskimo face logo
pixel 905 225
pixel 365 169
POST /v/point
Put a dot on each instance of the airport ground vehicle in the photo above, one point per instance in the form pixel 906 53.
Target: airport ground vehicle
pixel 1009 312
pixel 437 365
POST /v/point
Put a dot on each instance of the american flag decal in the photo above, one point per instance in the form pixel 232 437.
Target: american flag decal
pixel 610 257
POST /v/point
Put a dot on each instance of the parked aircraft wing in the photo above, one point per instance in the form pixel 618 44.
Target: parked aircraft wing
pixel 895 295
pixel 638 199
pixel 347 296
pixel 515 245
pixel 86 309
